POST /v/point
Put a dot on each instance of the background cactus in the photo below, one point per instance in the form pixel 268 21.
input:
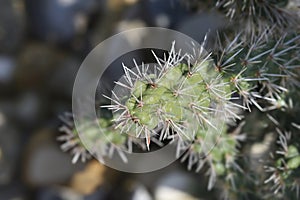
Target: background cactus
pixel 241 96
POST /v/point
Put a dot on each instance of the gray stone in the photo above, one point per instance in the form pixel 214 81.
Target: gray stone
pixel 12 25
pixel 10 148
pixel 45 162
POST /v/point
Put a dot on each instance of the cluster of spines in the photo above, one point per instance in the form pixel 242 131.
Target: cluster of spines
pixel 182 98
pixel 218 160
pixel 257 15
pixel 95 142
pixel 255 8
pixel 165 101
pixel 263 69
pixel 280 177
pixel 284 163
pixel 265 73
pixel 283 172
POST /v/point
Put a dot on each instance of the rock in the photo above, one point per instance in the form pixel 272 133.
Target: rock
pixel 168 193
pixel 12 25
pixel 7 69
pixel 205 22
pixel 10 148
pixel 26 109
pixel 129 189
pixel 7 72
pixel 157 13
pixel 62 80
pixel 36 63
pixel 58 21
pixel 45 163
pixel 14 191
pixel 259 151
pixel 140 192
pixel 86 181
pixel 99 194
pixel 57 193
pixel 177 186
pixel 29 108
pixel 174 182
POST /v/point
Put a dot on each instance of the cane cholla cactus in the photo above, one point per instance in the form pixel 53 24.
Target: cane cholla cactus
pixel 265 73
pixel 184 98
pixel 221 159
pixel 165 100
pixel 102 145
pixel 284 173
pixel 261 70
pixel 257 15
pixel 284 163
pixel 270 9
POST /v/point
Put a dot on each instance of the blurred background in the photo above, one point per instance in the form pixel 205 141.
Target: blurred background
pixel 42 44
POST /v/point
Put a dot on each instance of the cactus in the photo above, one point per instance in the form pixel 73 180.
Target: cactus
pixel 255 16
pixel 105 146
pixel 167 101
pixel 233 111
pixel 263 69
